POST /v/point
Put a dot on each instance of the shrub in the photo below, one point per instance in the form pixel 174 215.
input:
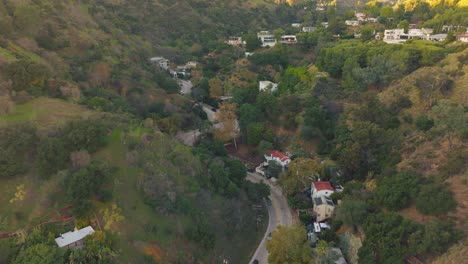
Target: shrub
pixel 424 123
pixel 434 199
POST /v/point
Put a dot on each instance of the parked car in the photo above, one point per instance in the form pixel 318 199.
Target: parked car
pixel 255 261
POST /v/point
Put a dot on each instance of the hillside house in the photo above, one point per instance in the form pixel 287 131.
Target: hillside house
pixel 323 208
pixel 191 65
pixel 437 37
pixel 462 37
pixel 277 156
pixel 321 188
pixel 419 33
pixel 235 41
pixel 296 25
pixel 360 16
pixel 74 239
pixel 267 39
pixel 162 62
pixel 308 29
pixel 371 20
pixel 324 24
pixel 288 39
pixel 395 36
pixel 267 86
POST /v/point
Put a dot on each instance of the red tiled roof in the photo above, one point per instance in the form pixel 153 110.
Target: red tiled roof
pixel 277 154
pixel 323 185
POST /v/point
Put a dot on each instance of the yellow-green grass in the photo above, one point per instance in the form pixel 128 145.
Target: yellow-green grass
pixel 7 55
pixel 45 113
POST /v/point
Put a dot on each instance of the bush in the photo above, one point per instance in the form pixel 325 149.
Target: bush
pixel 395 192
pixel 456 163
pixel 435 199
pixel 52 156
pixel 424 123
pixel 84 134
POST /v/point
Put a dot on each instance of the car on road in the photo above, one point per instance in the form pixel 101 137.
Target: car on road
pixel 269 236
pixel 255 261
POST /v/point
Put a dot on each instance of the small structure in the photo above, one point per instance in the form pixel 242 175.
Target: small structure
pixel 74 239
pixel 462 37
pixel 288 39
pixel 308 29
pixel 339 254
pixel 395 36
pixel 267 86
pixel 353 23
pixel 371 20
pixel 437 37
pixel 162 62
pixel 191 65
pixel 235 41
pixel 321 188
pixel 278 157
pixel 267 39
pixel 324 24
pixel 323 208
pixel 296 25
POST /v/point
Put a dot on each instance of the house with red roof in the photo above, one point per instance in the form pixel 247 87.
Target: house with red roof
pixel 277 156
pixel 322 188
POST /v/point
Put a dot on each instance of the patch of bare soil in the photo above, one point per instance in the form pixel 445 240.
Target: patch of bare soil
pixel 459 187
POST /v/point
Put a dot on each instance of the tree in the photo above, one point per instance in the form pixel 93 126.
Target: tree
pixel 84 134
pixel 274 169
pixel 404 24
pixel 52 156
pixel 255 132
pixel 26 73
pixel 395 192
pixel 450 117
pixel 299 175
pixel 216 88
pixel 252 42
pixel 367 33
pixel 237 171
pixel 436 237
pixel 226 116
pixel 40 253
pixel 434 199
pixel 27 18
pixel 263 146
pixel 289 245
pixel 352 212
pixel 387 238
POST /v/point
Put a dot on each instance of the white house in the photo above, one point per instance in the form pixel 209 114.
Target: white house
pixel 267 39
pixel 235 41
pixel 324 24
pixel 371 20
pixel 162 62
pixel 74 239
pixel 277 156
pixel 288 39
pixel 462 37
pixel 267 86
pixel 437 37
pixel 360 16
pixel 321 188
pixel 353 23
pixel 296 25
pixel 191 65
pixel 419 33
pixel 308 29
pixel 395 36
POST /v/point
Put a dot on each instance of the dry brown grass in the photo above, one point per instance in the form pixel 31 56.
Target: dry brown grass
pixel 457 254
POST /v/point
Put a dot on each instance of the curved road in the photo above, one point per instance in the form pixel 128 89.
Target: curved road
pixel 279 214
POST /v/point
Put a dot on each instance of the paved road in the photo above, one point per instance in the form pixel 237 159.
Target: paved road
pixel 279 214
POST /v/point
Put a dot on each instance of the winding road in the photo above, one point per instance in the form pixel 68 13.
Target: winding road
pixel 279 214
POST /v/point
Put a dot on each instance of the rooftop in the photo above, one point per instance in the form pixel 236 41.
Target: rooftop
pixel 73 236
pixel 323 185
pixel 277 154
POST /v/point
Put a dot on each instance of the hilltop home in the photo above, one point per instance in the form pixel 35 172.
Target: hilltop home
pixel 323 208
pixel 395 36
pixel 437 37
pixel 321 188
pixel 308 29
pixel 74 239
pixel 296 25
pixel 277 156
pixel 288 39
pixel 360 16
pixel 267 86
pixel 462 37
pixel 267 39
pixel 162 62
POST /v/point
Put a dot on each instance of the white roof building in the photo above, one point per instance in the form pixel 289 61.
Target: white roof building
pixel 267 86
pixel 74 239
pixel 267 39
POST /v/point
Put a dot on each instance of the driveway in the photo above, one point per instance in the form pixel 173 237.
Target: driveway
pixel 279 214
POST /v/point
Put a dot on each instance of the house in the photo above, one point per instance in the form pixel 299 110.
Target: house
pixel 437 37
pixel 324 24
pixel 296 25
pixel 277 156
pixel 74 239
pixel 419 33
pixel 371 20
pixel 288 39
pixel 360 16
pixel 323 208
pixel 191 65
pixel 267 86
pixel 320 7
pixel 353 23
pixel 267 39
pixel 162 62
pixel 462 37
pixel 308 29
pixel 321 188
pixel 340 258
pixel 395 36
pixel 235 41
